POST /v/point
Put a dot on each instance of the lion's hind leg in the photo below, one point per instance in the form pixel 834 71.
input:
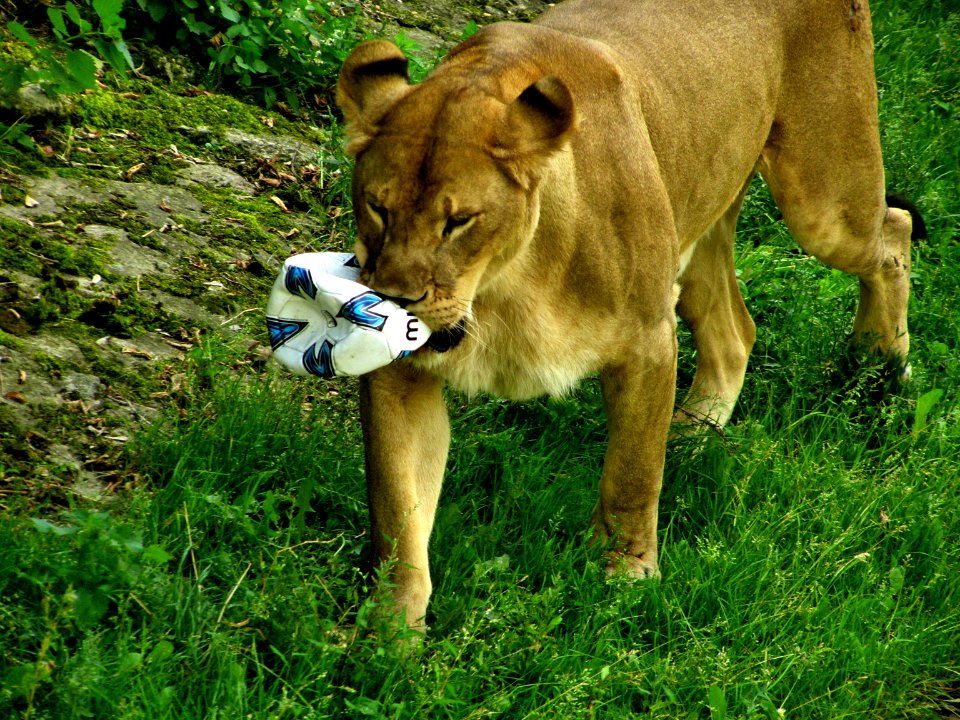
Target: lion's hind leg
pixel 712 307
pixel 838 213
pixel 823 164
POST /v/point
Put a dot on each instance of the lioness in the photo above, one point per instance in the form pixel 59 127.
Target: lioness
pixel 555 193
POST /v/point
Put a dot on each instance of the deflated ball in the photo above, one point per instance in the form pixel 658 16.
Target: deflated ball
pixel 322 322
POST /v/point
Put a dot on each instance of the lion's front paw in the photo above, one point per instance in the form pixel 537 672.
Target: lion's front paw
pixel 632 566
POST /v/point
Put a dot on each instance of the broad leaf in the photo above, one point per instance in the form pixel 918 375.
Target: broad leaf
pixel 20 33
pixel 109 13
pixel 925 403
pixel 83 67
pixel 228 12
pixel 74 14
pixel 56 19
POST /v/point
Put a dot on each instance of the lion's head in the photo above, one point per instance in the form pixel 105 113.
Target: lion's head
pixel 446 175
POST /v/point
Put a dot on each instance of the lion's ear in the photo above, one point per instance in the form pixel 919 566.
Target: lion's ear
pixel 373 78
pixel 537 123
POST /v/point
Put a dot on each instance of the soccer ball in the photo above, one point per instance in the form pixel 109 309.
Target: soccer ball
pixel 322 322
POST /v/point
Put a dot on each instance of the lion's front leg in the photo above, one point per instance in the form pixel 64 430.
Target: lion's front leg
pixel 639 396
pixel 406 437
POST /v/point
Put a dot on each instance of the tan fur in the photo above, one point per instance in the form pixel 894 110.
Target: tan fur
pixel 551 183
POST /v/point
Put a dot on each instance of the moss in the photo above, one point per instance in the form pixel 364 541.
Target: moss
pixel 16 237
pixel 30 250
pixel 13 195
pixel 83 258
pixel 54 302
pixel 126 314
pixel 52 365
pixel 221 303
pixel 14 51
pixel 113 211
pixel 14 447
pixel 117 375
pixel 10 341
pixel 154 114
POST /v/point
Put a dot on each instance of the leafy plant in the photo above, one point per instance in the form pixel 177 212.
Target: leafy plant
pixel 15 134
pixel 85 566
pixel 60 67
pixel 287 47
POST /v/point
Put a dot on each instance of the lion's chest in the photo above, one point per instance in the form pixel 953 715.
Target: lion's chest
pixel 541 353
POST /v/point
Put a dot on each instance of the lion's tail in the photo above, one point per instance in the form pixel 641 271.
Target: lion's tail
pixel 919 231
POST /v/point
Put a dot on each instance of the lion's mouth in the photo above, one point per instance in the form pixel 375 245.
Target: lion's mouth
pixel 444 340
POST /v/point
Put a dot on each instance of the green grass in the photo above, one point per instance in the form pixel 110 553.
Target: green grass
pixel 809 555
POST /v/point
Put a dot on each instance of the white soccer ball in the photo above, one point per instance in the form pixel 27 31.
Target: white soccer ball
pixel 322 322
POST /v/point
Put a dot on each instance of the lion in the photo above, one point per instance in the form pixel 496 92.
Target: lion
pixel 554 194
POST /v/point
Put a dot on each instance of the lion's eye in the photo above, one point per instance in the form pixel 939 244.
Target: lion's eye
pixel 379 212
pixel 455 222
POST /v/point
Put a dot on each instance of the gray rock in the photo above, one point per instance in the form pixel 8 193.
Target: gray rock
pixel 64 456
pixel 150 200
pixel 55 346
pixel 267 146
pixel 54 195
pixel 216 177
pixel 126 257
pixel 81 386
pixel 31 101
pixel 190 312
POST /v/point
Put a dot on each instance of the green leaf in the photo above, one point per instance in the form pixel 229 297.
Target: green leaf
pixel 12 77
pixel 228 12
pixel 21 34
pixel 23 679
pixel 59 25
pixel 116 53
pixel 896 577
pixel 109 13
pixel 469 30
pixel 197 27
pixel 90 607
pixel 155 553
pixel 83 67
pixel 157 10
pixel 15 134
pixel 26 142
pixel 925 404
pixel 161 651
pixel 718 702
pixel 74 14
pixel 129 661
pixel 45 526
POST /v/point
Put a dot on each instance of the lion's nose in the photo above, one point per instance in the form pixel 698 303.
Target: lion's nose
pixel 405 283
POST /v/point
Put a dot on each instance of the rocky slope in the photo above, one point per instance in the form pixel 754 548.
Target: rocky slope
pixel 151 215
pixel 107 283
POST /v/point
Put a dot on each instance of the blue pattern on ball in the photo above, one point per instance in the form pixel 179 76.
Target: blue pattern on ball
pixel 357 310
pixel 282 330
pixel 299 282
pixel 319 362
